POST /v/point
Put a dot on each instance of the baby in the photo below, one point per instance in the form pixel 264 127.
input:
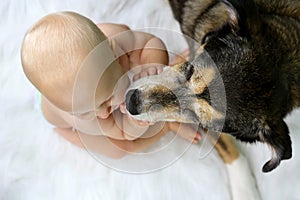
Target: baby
pixel 79 69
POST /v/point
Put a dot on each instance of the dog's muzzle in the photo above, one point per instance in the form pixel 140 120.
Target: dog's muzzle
pixel 133 101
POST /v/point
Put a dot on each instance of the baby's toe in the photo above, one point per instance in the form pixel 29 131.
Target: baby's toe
pixel 152 71
pixel 144 74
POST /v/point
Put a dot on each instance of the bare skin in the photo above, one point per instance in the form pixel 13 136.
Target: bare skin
pixel 118 134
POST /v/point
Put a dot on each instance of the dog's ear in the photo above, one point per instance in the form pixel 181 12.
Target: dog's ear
pixel 239 17
pixel 249 22
pixel 219 19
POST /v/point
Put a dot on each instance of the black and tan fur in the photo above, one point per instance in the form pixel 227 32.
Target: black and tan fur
pixel 255 46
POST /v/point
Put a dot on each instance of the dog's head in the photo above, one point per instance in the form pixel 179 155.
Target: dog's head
pixel 193 92
pixel 186 92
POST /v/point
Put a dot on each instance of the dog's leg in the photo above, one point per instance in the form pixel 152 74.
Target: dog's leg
pixel 242 181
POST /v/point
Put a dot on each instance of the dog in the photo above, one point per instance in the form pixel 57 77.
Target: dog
pixel 242 79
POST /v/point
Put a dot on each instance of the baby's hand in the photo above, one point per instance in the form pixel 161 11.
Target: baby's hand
pixel 139 122
pixel 185 131
pixel 147 70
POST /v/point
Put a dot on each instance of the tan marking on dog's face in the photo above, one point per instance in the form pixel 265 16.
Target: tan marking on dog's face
pixel 200 50
pixel 201 79
pixel 162 96
pixel 167 101
pixel 178 67
pixel 171 96
pixel 206 112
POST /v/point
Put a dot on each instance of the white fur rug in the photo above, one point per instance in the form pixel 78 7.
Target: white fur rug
pixel 35 163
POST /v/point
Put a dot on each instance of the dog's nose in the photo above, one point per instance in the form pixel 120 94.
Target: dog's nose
pixel 133 101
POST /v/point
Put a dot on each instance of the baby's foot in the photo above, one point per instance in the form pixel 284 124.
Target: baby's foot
pixel 148 71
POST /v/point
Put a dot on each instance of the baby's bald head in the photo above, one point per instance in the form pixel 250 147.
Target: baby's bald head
pixel 53 51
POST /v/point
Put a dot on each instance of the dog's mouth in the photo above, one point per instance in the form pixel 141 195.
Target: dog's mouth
pixel 157 112
pixel 162 97
pixel 178 94
pixel 154 106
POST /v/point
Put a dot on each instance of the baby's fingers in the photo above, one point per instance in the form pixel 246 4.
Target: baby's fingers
pixel 188 133
pixel 194 138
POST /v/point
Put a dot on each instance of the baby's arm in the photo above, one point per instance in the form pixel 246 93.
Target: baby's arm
pixel 114 141
pixel 185 131
pixel 149 48
pixel 107 146
pixel 151 58
pixel 118 148
pixel 114 126
pixel 138 48
pixel 98 144
pixel 154 51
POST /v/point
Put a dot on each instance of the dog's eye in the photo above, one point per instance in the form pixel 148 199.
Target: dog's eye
pixel 207 37
pixel 188 70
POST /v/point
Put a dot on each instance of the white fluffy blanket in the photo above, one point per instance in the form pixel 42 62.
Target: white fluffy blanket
pixel 35 163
